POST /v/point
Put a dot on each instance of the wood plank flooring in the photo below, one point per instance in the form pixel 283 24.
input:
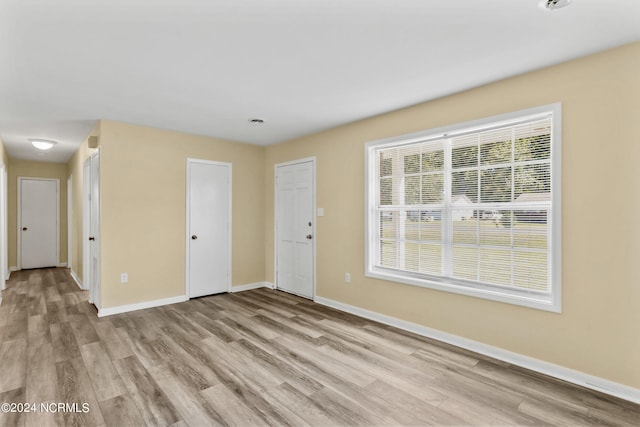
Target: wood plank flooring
pixel 257 358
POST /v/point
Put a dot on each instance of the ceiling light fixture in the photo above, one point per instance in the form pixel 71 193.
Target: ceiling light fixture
pixel 256 121
pixel 42 144
pixel 553 4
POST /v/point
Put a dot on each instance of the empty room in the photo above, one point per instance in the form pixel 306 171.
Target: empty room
pixel 319 213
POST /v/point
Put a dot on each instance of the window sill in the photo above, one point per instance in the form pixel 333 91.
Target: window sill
pixel 538 301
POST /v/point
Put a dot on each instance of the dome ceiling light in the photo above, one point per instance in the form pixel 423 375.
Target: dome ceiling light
pixel 42 144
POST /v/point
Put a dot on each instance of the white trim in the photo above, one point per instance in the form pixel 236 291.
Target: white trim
pixel 19 219
pixel 90 182
pixel 556 203
pixel 109 311
pixel 86 218
pixel 76 279
pixel 542 301
pixel 4 264
pixel 69 219
pixel 228 165
pixel 13 268
pixel 62 265
pixel 250 286
pixel 575 377
pixel 314 216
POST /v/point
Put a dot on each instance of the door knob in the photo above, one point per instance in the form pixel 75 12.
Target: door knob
pixel 24 228
pixel 309 236
pixel 92 238
pixel 194 237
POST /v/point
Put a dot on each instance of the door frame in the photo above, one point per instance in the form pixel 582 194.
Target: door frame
pixel 19 219
pixel 69 221
pixel 4 264
pixel 314 215
pixel 86 219
pixel 87 188
pixel 187 219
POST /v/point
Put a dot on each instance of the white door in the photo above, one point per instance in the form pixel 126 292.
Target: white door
pixel 91 232
pixel 86 226
pixel 295 204
pixel 208 227
pixel 94 225
pixel 69 221
pixel 38 222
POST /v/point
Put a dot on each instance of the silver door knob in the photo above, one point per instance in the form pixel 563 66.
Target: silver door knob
pixel 194 237
pixel 309 236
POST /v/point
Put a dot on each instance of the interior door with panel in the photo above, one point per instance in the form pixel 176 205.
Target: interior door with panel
pixel 208 227
pixel 91 227
pixel 295 250
pixel 94 228
pixel 4 265
pixel 38 222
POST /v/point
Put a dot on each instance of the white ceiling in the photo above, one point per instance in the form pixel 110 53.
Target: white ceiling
pixel 208 66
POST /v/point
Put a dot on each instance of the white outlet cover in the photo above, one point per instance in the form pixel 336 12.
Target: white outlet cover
pixel 320 212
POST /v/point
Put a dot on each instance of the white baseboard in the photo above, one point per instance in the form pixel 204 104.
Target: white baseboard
pixel 13 268
pixel 102 312
pixel 62 264
pixel 575 377
pixel 250 286
pixel 77 280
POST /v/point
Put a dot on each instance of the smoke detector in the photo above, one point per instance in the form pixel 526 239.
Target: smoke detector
pixel 553 4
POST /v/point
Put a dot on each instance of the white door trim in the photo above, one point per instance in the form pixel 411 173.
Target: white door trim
pixel 19 229
pixel 311 159
pixel 69 221
pixel 4 265
pixel 187 224
pixel 88 282
pixel 95 285
pixel 86 220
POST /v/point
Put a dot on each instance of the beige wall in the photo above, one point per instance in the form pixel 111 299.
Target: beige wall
pixel 24 168
pixel 75 171
pixel 599 328
pixel 143 187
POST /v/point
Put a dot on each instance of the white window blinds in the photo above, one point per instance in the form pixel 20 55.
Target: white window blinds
pixel 471 208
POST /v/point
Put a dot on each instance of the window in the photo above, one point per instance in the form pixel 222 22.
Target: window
pixel 472 208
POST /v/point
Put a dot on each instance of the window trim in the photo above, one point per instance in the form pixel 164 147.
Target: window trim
pixel 551 301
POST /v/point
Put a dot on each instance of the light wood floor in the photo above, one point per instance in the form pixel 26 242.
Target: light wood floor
pixel 260 357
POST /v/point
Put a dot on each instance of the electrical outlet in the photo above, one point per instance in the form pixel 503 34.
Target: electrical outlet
pixel 124 278
pixel 347 277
